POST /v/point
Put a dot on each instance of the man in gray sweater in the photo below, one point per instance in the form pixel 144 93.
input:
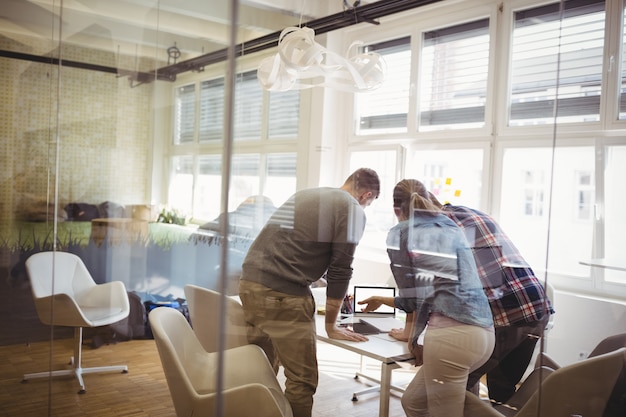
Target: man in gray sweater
pixel 314 233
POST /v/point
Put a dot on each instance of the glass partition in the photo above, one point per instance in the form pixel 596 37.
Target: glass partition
pixel 115 149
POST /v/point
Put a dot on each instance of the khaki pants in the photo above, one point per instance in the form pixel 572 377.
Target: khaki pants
pixel 450 354
pixel 284 326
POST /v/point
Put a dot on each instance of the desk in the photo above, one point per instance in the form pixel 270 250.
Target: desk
pixel 385 351
pixel 118 230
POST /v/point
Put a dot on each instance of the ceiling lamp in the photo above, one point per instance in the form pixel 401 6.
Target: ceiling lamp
pixel 303 63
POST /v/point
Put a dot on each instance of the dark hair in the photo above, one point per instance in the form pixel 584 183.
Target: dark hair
pixel 411 196
pixel 364 179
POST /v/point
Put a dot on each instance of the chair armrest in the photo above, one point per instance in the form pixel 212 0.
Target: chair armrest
pixel 526 390
pixel 543 359
pixel 255 400
pixel 66 311
pixel 475 407
pixel 250 365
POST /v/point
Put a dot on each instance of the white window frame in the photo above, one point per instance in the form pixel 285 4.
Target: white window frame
pixel 496 137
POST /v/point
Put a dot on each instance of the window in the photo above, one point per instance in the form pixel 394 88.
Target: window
pixel 272 175
pixel 181 184
pixel 284 108
pixel 614 220
pixel 585 196
pixel 622 93
pixel 533 186
pixel 184 114
pixel 453 76
pixel 556 235
pixel 453 175
pixel 248 107
pixel 280 178
pixel 208 189
pixel 261 119
pixel 554 58
pixel 385 109
pixel 253 108
pixel 211 110
pixel 380 216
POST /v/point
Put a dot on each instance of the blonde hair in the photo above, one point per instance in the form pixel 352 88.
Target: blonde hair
pixel 410 197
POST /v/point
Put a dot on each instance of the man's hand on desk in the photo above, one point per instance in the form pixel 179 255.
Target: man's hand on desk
pixel 399 334
pixel 343 333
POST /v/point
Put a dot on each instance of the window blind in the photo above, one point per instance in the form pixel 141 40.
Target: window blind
pixel 539 35
pixel 453 76
pixel 211 120
pixel 284 113
pixel 246 164
pixel 385 109
pixel 248 107
pixel 281 165
pixel 184 114
pixel 622 95
pixel 210 165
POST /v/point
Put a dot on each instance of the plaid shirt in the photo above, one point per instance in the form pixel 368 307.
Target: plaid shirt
pixel 515 295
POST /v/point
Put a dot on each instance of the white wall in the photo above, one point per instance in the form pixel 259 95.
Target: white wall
pixel 580 323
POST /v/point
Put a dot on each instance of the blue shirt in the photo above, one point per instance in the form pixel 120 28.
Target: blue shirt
pixel 435 271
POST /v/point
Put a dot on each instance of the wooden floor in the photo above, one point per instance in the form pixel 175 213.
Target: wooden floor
pixel 143 390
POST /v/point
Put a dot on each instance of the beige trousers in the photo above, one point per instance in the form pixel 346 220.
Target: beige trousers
pixel 450 354
pixel 284 326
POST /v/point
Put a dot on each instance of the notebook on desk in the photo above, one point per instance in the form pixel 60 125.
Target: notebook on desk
pixel 380 321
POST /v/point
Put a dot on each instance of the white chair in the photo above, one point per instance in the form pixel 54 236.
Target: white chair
pixel 204 311
pixel 65 294
pixel 249 385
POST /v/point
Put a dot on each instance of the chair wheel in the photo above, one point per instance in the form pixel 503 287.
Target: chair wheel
pixel 82 391
pixel 23 381
pixel 125 371
pixel 354 397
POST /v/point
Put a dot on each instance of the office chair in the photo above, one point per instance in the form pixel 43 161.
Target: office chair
pixel 65 294
pixel 585 388
pixel 249 388
pixel 204 310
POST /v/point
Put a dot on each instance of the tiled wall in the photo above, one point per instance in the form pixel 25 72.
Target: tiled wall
pixel 104 147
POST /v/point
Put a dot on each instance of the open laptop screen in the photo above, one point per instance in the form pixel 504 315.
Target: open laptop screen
pixel 363 292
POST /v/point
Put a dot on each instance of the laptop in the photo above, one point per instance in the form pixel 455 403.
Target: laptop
pixel 380 321
pixel 360 293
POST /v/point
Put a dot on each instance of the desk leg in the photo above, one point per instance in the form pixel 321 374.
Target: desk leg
pixel 385 387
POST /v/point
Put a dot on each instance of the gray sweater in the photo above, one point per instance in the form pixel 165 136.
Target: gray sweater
pixel 316 231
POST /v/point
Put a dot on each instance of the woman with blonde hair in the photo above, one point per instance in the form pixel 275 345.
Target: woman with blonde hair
pixel 441 292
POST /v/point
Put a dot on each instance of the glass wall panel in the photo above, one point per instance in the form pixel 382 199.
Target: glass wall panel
pixel 112 152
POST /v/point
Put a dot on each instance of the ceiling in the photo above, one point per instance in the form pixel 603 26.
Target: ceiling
pixel 158 33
